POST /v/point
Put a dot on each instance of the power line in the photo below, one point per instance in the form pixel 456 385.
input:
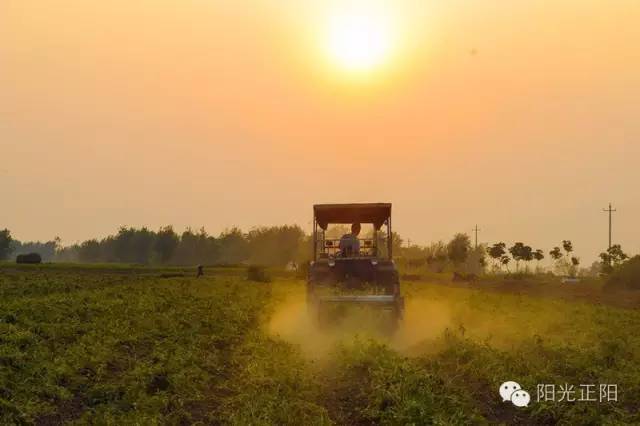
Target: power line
pixel 609 210
pixel 476 229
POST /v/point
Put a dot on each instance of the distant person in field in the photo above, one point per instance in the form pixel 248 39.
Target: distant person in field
pixel 349 243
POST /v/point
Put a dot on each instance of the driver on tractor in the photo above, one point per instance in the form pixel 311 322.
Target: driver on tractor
pixel 349 243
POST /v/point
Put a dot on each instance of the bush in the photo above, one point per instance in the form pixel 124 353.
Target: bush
pixel 29 258
pixel 627 275
pixel 258 273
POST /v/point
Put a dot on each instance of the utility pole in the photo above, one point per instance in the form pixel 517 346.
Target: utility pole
pixel 609 210
pixel 476 232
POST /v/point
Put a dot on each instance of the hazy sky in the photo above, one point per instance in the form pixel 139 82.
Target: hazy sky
pixel 522 117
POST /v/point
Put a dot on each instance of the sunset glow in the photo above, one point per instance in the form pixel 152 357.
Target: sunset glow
pixel 359 41
pixel 248 113
pixel 319 212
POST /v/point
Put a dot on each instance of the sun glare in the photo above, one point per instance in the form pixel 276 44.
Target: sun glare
pixel 359 41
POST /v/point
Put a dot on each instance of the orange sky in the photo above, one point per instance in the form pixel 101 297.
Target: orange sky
pixel 520 116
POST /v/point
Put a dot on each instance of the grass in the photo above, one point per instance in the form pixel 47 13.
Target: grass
pixel 123 345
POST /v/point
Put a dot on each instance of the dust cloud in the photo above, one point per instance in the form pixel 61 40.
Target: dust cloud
pixel 499 320
pixel 424 320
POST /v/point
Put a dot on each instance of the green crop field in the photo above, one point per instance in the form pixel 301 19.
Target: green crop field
pixel 134 345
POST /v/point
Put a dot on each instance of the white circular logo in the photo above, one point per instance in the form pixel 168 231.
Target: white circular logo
pixel 507 388
pixel 512 391
pixel 520 398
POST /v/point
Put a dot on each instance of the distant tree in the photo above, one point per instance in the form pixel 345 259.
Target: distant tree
pixel 612 258
pixel 187 250
pixel 564 262
pixel 437 256
pixel 573 269
pixel 617 255
pixel 626 275
pixel 5 244
pixel 68 254
pixel 234 247
pixel 276 245
pixel 290 239
pixel 109 249
pixel 196 248
pixel 166 242
pixel 569 260
pixel 142 246
pixel 496 252
pixel 334 232
pixel 556 254
pixel 129 245
pixel 521 252
pixel 504 260
pixel 538 255
pixel 305 250
pixel 517 252
pixel 595 269
pixel 458 248
pixel 527 256
pixel 396 243
pixel 90 251
pixel 122 246
pixel 476 260
pixel 413 256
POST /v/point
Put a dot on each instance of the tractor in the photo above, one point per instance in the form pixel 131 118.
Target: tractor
pixel 340 276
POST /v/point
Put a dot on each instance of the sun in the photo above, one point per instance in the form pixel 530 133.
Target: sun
pixel 359 41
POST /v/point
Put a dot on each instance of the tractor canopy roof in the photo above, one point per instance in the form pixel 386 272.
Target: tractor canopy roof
pixel 375 213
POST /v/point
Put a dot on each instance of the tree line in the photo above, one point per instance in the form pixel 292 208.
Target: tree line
pixel 276 245
pixel 458 255
pixel 564 261
pixel 280 245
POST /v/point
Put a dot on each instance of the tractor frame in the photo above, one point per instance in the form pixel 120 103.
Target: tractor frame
pixel 368 277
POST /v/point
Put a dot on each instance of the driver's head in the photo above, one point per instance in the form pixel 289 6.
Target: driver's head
pixel 355 228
